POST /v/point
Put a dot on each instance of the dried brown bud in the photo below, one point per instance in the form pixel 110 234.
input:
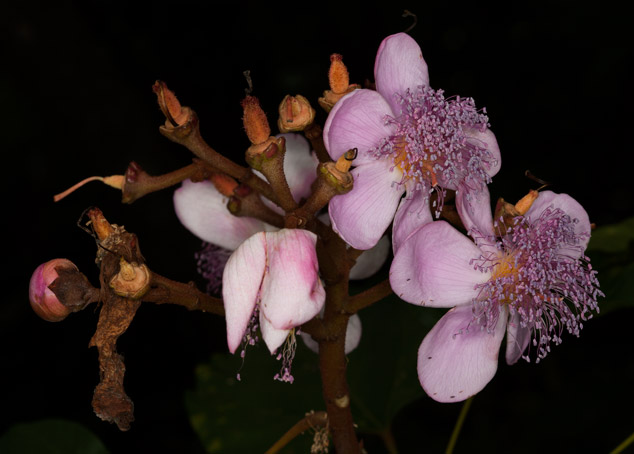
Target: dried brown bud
pixel 296 113
pixel 170 106
pixel 132 280
pixel 255 122
pixel 339 81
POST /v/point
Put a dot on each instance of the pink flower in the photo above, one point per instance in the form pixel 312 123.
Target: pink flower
pixel 534 283
pixel 410 139
pixel 271 280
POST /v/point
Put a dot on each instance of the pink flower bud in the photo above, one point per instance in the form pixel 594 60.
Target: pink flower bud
pixel 43 300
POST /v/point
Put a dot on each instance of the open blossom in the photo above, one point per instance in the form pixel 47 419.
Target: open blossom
pixel 271 281
pixel 533 282
pixel 410 139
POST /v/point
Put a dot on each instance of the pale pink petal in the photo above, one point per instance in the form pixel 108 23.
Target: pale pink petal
pixel 487 140
pixel 399 65
pixel 371 260
pixel 362 216
pixel 413 212
pixel 291 291
pixel 357 121
pixel 203 211
pixel 457 357
pixel 517 339
pixel 549 199
pixel 474 208
pixel 241 281
pixel 353 336
pixel 273 337
pixel 300 165
pixel 432 268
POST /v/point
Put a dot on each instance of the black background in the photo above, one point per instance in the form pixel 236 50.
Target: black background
pixel 76 100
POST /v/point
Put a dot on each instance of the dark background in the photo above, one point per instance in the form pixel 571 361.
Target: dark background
pixel 76 101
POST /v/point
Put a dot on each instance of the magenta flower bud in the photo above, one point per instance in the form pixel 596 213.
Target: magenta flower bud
pixel 43 300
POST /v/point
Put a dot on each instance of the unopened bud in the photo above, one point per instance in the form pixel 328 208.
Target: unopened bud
pixel 175 114
pixel 43 301
pixel 224 184
pixel 339 81
pixel 296 113
pixel 255 122
pixel 524 204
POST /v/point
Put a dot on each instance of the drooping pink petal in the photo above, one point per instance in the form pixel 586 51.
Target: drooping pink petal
pixel 457 358
pixel 241 281
pixel 433 268
pixel 203 211
pixel 517 339
pixel 487 140
pixel 273 337
pixel 357 121
pixel 353 336
pixel 399 65
pixel 291 292
pixel 371 260
pixel 413 212
pixel 300 165
pixel 474 208
pixel 362 215
pixel 549 199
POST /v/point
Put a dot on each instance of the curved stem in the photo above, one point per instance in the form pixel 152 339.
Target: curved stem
pixel 310 421
pixel 620 448
pixel 456 430
pixel 166 291
pixel 368 297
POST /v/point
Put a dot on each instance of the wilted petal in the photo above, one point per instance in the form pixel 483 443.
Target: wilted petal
pixel 291 291
pixel 399 65
pixel 241 281
pixel 273 338
pixel 362 215
pixel 413 212
pixel 517 339
pixel 353 336
pixel 457 357
pixel 549 199
pixel 371 260
pixel 432 268
pixel 203 211
pixel 357 121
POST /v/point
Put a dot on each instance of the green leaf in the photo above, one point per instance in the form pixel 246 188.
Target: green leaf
pixel 50 436
pixel 611 250
pixel 382 370
pixel 249 415
pixel 612 238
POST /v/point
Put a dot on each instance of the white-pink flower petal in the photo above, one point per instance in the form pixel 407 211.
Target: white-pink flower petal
pixel 362 215
pixel 399 65
pixel 371 260
pixel 291 292
pixel 357 121
pixel 300 165
pixel 241 282
pixel 203 211
pixel 353 336
pixel 433 268
pixel 413 212
pixel 458 358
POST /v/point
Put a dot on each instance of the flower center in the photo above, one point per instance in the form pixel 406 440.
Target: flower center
pixel 434 141
pixel 541 275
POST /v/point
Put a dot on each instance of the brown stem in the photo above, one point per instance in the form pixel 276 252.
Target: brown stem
pixel 189 136
pixel 139 183
pixel 314 134
pixel 272 166
pixel 312 420
pixel 368 297
pixel 166 291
